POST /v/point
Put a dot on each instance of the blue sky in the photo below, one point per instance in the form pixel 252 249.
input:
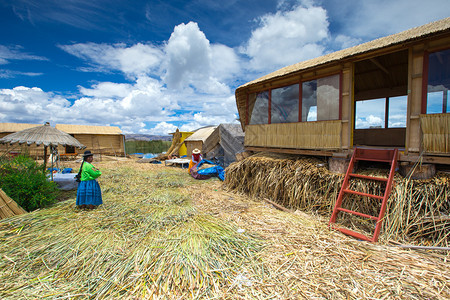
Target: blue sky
pixel 152 66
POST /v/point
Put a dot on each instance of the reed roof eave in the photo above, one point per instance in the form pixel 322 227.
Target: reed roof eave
pixel 89 129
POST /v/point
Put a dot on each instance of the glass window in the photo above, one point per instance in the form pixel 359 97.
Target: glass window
pixel 284 107
pixel 320 99
pixel 260 112
pixel 309 100
pixel 397 111
pixel 370 113
pixel 438 82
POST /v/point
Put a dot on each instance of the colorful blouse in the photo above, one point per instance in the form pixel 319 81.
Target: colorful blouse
pixel 89 172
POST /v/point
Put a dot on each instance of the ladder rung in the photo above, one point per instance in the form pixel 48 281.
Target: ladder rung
pixel 353 233
pixel 374 159
pixel 363 194
pixel 357 213
pixel 368 177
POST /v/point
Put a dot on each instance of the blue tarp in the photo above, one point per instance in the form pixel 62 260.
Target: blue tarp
pixel 212 171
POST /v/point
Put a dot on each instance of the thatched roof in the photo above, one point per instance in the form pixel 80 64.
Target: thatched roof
pixel 86 129
pixel 14 127
pixel 201 134
pixel 42 135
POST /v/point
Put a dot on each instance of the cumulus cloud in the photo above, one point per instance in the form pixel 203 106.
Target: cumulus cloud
pixel 145 101
pixel 192 62
pixel 107 90
pixel 162 128
pixel 287 37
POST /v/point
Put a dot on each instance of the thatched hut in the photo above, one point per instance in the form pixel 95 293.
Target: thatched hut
pixel 103 140
pixel 107 140
pixel 203 139
pixel 315 107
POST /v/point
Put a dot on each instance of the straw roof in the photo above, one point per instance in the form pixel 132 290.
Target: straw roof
pixel 416 33
pixel 201 134
pixel 42 135
pixel 87 129
pixel 14 127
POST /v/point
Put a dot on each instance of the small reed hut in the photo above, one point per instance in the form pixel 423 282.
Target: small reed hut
pixel 102 140
pixel 16 149
pixel 203 139
pixel 321 106
pixel 106 140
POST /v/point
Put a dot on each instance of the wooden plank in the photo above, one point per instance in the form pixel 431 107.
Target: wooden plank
pixel 290 151
pixel 445 160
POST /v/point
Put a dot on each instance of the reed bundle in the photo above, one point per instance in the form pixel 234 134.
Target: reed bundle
pixel 193 240
pixel 418 210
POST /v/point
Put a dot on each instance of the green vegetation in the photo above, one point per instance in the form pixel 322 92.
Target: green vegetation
pixel 22 179
pixel 156 146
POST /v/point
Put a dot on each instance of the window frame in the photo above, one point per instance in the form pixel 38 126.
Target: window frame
pixel 425 73
pixel 300 92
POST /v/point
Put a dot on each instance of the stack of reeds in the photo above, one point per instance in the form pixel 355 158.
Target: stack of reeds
pixel 145 241
pixel 418 210
pixel 9 207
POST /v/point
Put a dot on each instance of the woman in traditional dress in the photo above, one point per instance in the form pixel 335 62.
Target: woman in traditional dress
pixel 89 194
pixel 195 159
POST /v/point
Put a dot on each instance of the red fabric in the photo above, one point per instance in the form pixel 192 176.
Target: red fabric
pixel 196 158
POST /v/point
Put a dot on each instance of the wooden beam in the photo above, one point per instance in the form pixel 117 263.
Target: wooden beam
pixel 379 65
pixel 445 160
pixel 290 151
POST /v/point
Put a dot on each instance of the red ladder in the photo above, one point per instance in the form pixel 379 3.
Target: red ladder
pixel 376 155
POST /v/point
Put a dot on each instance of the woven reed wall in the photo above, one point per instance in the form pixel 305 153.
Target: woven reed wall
pixel 436 133
pixel 101 144
pixel 305 135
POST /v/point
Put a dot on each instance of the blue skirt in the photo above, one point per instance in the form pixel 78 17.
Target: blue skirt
pixel 89 193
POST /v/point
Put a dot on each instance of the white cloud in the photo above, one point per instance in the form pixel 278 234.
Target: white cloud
pixel 134 61
pixel 16 53
pixel 373 19
pixel 107 90
pixel 287 37
pixel 192 62
pixel 162 128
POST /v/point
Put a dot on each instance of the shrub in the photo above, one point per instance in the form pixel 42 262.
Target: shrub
pixel 22 179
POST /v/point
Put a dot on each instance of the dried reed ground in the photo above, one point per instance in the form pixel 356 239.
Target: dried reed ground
pixel 163 235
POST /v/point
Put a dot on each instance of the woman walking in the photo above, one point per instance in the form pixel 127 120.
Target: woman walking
pixel 89 194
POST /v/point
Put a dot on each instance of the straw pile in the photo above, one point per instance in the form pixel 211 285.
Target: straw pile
pixel 9 207
pixel 418 210
pixel 191 240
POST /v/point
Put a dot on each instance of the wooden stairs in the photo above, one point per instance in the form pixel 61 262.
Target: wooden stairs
pixel 374 155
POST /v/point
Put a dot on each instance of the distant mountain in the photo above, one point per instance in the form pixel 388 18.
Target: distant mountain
pixel 147 137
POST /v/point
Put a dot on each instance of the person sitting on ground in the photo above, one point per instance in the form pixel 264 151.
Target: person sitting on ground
pixel 89 194
pixel 196 158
